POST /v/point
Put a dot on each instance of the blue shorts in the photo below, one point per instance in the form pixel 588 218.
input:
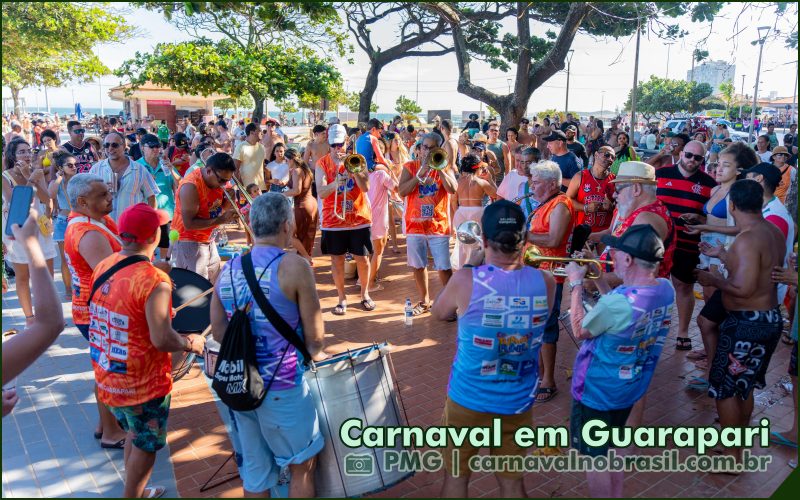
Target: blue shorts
pixel 417 246
pixel 84 329
pixel 59 228
pixel 284 430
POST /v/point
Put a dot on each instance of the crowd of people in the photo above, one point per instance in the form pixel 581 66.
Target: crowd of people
pixel 144 199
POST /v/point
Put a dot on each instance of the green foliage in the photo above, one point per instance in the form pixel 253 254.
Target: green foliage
pixel 727 92
pixel 664 98
pixel 407 108
pixel 351 100
pixel 552 113
pixel 204 67
pixel 287 106
pixel 51 43
pixel 243 101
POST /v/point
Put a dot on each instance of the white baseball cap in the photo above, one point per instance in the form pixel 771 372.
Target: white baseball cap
pixel 336 134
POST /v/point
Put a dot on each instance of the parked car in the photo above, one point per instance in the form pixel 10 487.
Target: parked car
pixel 679 125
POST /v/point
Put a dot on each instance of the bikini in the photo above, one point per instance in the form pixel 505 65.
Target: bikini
pixel 720 210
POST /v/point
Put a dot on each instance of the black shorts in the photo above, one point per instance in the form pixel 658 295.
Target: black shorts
pixel 164 241
pixel 747 340
pixel 684 264
pixel 581 414
pixel 713 310
pixel 793 361
pixel 354 241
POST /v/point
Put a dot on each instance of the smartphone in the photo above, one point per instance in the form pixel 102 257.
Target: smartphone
pixel 20 207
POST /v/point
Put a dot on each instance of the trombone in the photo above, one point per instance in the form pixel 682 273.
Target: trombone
pixel 239 213
pixel 533 257
pixel 353 164
pixel 437 160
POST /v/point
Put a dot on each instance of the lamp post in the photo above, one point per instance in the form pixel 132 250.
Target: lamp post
pixel 569 63
pixel 602 102
pixel 763 31
pixel 741 101
pixel 635 80
pixel 508 80
pixel 669 49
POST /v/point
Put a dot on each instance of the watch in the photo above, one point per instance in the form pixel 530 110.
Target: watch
pixel 573 284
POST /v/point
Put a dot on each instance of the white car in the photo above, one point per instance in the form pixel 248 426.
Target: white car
pixel 678 127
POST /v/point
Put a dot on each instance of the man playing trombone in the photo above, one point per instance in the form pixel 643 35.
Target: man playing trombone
pixel 342 184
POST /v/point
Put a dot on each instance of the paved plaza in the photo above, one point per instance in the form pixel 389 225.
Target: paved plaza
pixel 49 451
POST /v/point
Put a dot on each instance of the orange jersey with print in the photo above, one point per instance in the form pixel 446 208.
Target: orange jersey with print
pixel 210 207
pixel 427 205
pixel 129 370
pixel 358 211
pixel 78 268
pixel 540 224
pixel 592 190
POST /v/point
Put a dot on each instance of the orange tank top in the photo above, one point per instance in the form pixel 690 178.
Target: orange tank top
pixel 427 205
pixel 540 224
pixel 210 207
pixel 80 271
pixel 358 213
pixel 129 370
pixel 592 190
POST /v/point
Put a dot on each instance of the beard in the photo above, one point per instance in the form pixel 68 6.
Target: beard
pixel 624 209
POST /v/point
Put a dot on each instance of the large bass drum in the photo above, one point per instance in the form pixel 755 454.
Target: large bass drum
pixel 194 318
pixel 355 384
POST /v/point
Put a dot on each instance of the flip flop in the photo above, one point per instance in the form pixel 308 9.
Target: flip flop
pixel 420 309
pixel 119 445
pixel 154 492
pixel 340 309
pixel 550 393
pixel 697 384
pixel 777 438
pixel 368 304
pixel 684 344
pixel 98 435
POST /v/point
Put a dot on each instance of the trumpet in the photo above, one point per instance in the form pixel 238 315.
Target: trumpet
pixel 533 257
pixel 353 164
pixel 239 213
pixel 437 160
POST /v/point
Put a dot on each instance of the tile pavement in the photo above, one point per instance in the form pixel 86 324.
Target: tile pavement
pixel 422 353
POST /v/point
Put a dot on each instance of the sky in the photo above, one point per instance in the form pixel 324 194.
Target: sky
pixel 601 69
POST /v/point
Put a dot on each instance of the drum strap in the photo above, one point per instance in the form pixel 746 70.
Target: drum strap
pixel 127 261
pixel 272 315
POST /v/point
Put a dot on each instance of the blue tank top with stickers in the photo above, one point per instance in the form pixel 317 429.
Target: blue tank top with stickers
pixel 269 343
pixel 496 367
pixel 364 148
pixel 629 325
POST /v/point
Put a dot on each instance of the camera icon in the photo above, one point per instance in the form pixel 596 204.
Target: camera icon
pixel 358 465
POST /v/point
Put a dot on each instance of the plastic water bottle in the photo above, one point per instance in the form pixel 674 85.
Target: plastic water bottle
pixel 408 317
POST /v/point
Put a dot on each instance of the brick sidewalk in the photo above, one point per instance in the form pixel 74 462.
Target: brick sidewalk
pixel 422 355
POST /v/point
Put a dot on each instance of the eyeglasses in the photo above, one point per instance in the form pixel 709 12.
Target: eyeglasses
pixel 618 188
pixel 78 131
pixel 425 146
pixel 112 145
pixel 220 180
pixel 153 145
pixel 337 145
pixel 690 156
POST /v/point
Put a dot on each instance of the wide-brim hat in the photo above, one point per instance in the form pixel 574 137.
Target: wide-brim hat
pixel 636 171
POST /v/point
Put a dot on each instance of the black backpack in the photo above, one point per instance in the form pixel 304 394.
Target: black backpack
pixel 237 380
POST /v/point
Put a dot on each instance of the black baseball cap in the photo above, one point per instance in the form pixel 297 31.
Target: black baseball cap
pixel 150 141
pixel 640 241
pixel 505 220
pixel 141 131
pixel 555 135
pixel 771 173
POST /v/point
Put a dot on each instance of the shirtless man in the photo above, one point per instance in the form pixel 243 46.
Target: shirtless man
pixel 270 137
pixel 473 184
pixel 317 148
pixel 450 145
pixel 750 333
pixel 525 136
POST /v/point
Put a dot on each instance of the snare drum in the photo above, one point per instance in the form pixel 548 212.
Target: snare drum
pixel 355 384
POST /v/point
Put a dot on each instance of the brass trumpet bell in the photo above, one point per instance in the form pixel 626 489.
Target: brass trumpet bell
pixel 355 163
pixel 533 257
pixel 437 159
pixel 469 233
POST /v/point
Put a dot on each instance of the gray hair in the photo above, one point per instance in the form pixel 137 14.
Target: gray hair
pixel 268 212
pixel 80 185
pixel 651 189
pixel 547 170
pixel 645 264
pixel 434 136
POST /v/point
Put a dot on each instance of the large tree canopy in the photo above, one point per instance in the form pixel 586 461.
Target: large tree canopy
pixel 52 43
pixel 477 34
pixel 205 67
pixel 664 98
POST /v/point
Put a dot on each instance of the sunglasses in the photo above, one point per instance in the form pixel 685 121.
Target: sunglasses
pixel 609 156
pixel 221 181
pixel 337 145
pixel 112 145
pixel 690 156
pixel 620 188
pixel 153 145
pixel 78 131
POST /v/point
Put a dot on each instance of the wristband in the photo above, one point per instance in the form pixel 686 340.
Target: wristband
pixel 576 283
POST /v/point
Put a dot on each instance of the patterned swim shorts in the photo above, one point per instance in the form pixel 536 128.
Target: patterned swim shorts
pixel 147 422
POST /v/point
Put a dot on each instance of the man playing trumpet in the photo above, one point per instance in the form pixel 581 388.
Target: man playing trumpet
pixel 346 216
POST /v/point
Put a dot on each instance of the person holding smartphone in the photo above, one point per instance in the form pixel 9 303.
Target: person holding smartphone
pixel 18 171
pixel 66 167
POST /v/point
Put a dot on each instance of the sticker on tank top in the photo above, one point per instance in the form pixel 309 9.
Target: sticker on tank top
pixel 625 372
pixel 119 336
pixel 539 319
pixel 118 352
pixel 519 303
pixel 527 367
pixel 492 320
pixel 513 344
pixel 483 342
pixel 508 367
pixel 489 367
pixel 494 303
pixel 540 302
pixel 119 320
pixel 626 349
pixel 226 292
pixel 426 211
pixel 520 321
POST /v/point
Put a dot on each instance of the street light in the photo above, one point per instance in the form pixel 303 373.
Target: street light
pixel 569 63
pixel 669 49
pixel 602 102
pixel 763 31
pixel 741 101
pixel 509 84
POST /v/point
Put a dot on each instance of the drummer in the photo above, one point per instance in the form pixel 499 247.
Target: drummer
pixel 199 208
pixel 91 236
pixel 284 430
pixel 131 338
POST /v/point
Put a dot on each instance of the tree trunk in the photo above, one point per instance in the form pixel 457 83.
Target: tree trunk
pixel 258 107
pixel 15 96
pixel 511 111
pixel 365 99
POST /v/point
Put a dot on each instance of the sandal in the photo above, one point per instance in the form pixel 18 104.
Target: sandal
pixel 776 437
pixel 684 344
pixel 119 445
pixel 548 392
pixel 154 492
pixel 697 384
pixel 368 304
pixel 420 309
pixel 340 309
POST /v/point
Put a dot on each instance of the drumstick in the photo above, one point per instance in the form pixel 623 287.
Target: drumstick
pixel 193 299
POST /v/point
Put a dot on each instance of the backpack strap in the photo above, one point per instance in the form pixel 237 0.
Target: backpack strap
pixel 127 261
pixel 272 315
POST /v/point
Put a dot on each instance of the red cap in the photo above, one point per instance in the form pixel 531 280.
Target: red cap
pixel 139 222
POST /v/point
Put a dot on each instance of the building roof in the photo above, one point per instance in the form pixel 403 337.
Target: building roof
pixel 118 93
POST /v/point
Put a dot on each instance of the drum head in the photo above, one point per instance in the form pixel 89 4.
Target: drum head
pixel 187 285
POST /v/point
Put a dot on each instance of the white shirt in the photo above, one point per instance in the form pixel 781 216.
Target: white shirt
pixel 509 188
pixel 765 156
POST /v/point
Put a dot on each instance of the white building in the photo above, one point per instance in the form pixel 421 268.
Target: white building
pixel 713 73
